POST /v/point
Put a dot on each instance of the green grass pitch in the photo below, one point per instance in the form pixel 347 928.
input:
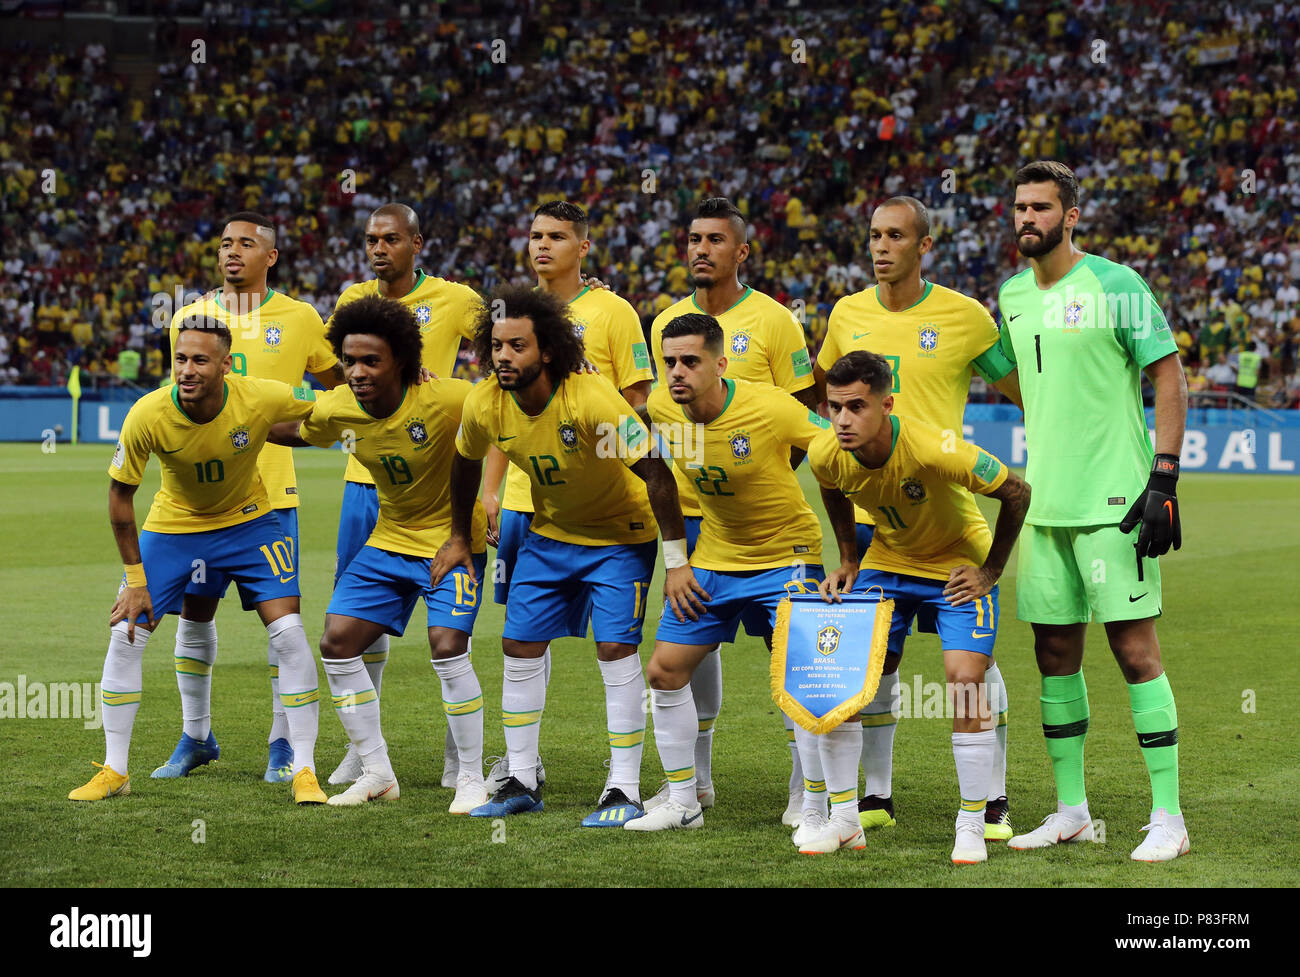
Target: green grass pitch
pixel 1228 636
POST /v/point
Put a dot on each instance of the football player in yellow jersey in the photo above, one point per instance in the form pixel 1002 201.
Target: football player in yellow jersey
pixel 598 496
pixel 210 514
pixel 445 312
pixel 273 337
pixel 932 553
pixel 763 342
pixel 933 338
pixel 759 540
pixel 403 431
pixel 612 340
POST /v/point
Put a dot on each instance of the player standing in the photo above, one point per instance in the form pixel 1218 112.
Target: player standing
pixel 933 338
pixel 1083 329
pixel 592 538
pixel 273 337
pixel 759 539
pixel 612 341
pixel 211 512
pixel 403 431
pixel 445 312
pixel 764 343
pixel 932 554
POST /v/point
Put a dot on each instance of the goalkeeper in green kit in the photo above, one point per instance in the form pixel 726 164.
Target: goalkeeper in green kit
pixel 1081 329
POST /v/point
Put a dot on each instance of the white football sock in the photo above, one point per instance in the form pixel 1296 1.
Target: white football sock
pixel 279 721
pixel 376 657
pixel 625 722
pixel 814 779
pixel 973 753
pixel 196 650
pixel 997 693
pixel 462 701
pixel 675 724
pixel 879 723
pixel 840 751
pixel 299 687
pixel 706 689
pixel 523 699
pixel 796 767
pixel 120 691
pixel 357 706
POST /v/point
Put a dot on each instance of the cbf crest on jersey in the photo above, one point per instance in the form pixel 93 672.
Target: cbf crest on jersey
pixel 740 445
pixel 928 336
pixel 423 316
pixel 416 431
pixel 273 334
pixel 913 489
pixel 1074 314
pixel 828 639
pixel 240 439
pixel 568 436
pixel 740 343
pixel 579 326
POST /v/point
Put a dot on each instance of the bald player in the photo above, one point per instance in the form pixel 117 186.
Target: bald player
pixel 762 342
pixel 445 312
pixel 933 338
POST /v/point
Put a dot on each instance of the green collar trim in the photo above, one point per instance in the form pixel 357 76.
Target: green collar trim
pixel 584 291
pixel 748 292
pixel 400 403
pixel 420 276
pixel 893 443
pixel 925 294
pixel 269 293
pixel 176 399
pixel 554 391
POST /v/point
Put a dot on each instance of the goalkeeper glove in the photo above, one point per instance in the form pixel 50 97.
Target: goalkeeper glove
pixel 1157 511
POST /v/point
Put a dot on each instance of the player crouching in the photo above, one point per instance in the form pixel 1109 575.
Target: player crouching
pixel 931 554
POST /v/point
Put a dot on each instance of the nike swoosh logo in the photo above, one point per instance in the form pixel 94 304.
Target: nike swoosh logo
pixel 1013 319
pixel 456 613
pixel 859 335
pixel 163 451
pixel 693 818
pixel 976 634
pixel 510 438
pixel 1148 740
pixel 1170 507
pixel 1134 600
pixel 287 579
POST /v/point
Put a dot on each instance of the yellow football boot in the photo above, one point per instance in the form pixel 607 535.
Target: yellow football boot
pixel 305 788
pixel 105 784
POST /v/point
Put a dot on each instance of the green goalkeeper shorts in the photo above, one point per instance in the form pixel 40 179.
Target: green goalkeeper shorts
pixel 1071 574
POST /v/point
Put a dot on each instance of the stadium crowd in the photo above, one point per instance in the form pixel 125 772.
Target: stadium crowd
pixel 1181 125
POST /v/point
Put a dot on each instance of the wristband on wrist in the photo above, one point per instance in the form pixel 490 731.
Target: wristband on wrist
pixel 134 574
pixel 674 554
pixel 1165 465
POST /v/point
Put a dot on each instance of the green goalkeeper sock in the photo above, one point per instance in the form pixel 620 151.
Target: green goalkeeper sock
pixel 1064 702
pixel 1156 720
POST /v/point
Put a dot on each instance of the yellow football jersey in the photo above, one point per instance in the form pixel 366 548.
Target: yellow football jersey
pixel 611 334
pixel 762 341
pixel 927 522
pixel 409 454
pixel 446 312
pixel 578 453
pixel 282 339
pixel 932 346
pixel 755 513
pixel 210 474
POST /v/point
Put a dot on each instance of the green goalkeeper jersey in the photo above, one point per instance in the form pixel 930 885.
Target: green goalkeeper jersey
pixel 1080 347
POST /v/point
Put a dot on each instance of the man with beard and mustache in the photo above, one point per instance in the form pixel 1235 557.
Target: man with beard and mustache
pixel 600 501
pixel 763 342
pixel 1083 329
pixel 445 312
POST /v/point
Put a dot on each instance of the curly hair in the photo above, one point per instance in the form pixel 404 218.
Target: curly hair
pixel 551 325
pixel 388 319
